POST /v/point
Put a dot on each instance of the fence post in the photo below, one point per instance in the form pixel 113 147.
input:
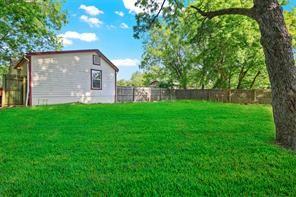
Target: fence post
pixel 24 90
pixel 160 95
pixel 3 91
pixel 255 96
pixel 229 95
pixel 133 94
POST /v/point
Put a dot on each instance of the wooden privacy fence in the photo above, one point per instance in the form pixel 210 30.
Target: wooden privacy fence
pixel 136 94
pixel 232 96
pixel 14 89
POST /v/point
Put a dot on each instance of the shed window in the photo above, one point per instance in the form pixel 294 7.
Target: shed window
pixel 96 79
pixel 96 60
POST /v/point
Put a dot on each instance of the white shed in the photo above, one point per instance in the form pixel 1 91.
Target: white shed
pixel 55 77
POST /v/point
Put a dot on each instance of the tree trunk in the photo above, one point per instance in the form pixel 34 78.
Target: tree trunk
pixel 183 85
pixel 240 78
pixel 229 81
pixel 277 45
pixel 254 79
pixel 202 86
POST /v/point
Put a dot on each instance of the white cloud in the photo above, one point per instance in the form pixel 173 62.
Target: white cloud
pixel 123 26
pixel 119 13
pixel 91 10
pixel 69 36
pixel 130 5
pixel 111 27
pixel 66 42
pixel 92 22
pixel 126 62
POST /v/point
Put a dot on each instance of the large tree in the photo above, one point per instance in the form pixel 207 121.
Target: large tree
pixel 170 51
pixel 29 25
pixel 228 57
pixel 218 56
pixel 275 40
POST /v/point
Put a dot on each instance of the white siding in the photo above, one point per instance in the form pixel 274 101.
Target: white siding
pixel 65 78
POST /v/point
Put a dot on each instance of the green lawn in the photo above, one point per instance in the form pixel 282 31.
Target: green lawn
pixel 167 148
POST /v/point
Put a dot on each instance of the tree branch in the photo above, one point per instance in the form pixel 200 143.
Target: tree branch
pixel 230 11
pixel 254 80
pixel 158 13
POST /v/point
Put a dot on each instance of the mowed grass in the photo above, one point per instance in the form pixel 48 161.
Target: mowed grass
pixel 166 148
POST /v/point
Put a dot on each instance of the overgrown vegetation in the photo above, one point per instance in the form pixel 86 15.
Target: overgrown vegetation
pixel 167 148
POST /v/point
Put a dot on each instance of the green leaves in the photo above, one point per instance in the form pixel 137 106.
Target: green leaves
pixel 210 54
pixel 168 49
pixel 290 18
pixel 29 25
pixel 223 52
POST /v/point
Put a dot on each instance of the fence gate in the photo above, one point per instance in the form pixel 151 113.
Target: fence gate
pixel 15 88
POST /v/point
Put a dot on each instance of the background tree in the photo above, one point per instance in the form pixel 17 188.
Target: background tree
pixel 170 51
pixel 29 26
pixel 137 79
pixel 218 55
pixel 123 82
pixel 275 40
pixel 290 17
pixel 230 57
pixel 159 74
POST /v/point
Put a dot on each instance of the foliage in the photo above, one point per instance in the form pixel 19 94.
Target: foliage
pixel 290 18
pixel 168 49
pixel 154 11
pixel 123 82
pixel 3 70
pixel 159 75
pixel 28 26
pixel 230 57
pixel 224 52
pixel 137 79
pixel 166 149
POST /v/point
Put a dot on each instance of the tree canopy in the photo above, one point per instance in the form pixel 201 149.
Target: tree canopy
pixel 137 79
pixel 224 52
pixel 29 25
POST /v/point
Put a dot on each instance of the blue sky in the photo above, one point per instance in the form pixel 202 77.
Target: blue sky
pixel 107 25
pixel 292 4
